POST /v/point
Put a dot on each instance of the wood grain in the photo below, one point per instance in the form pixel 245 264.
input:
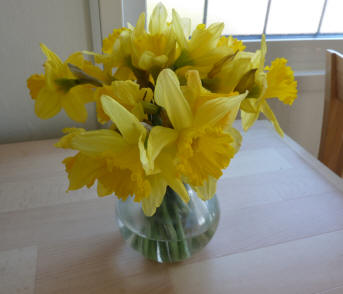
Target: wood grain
pixel 18 270
pixel 281 228
pixel 268 270
pixel 331 145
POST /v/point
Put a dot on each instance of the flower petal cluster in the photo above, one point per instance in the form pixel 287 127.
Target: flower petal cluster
pixel 168 97
pixel 59 88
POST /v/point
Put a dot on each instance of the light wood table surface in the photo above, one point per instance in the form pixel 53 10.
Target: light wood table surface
pixel 281 228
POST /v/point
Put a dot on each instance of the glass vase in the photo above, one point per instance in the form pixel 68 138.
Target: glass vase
pixel 175 232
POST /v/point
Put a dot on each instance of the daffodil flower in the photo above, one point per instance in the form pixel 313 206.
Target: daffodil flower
pixel 204 49
pixel 117 50
pixel 202 147
pixel 153 50
pixel 59 88
pixel 128 94
pixel 277 82
pixel 114 159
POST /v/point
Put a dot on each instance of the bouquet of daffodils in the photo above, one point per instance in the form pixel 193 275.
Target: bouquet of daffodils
pixel 169 98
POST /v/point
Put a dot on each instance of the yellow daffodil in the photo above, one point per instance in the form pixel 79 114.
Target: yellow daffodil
pixel 203 148
pixel 114 159
pixel 134 50
pixel 231 43
pixel 60 88
pixel 225 76
pixel 197 95
pixel 128 94
pixel 277 82
pixel 117 52
pixel 153 50
pixel 205 49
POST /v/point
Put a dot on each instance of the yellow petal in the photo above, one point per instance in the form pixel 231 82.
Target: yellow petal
pixel 103 190
pixel 158 20
pixel 248 119
pixel 236 135
pixel 159 138
pixel 231 73
pixel 74 106
pixel 107 43
pixel 204 40
pixel 51 56
pixel 116 181
pixel 154 200
pixel 35 83
pixel 194 82
pixel 95 142
pixel 139 29
pixel 194 88
pixel 128 125
pixel 169 95
pixel 84 92
pixel 178 30
pixel 47 103
pixel 124 73
pixel 203 152
pixel 212 111
pixel 267 111
pixel 280 81
pixel 178 186
pixel 128 92
pixel 166 162
pixel 138 111
pixel 249 105
pixel 65 141
pixel 149 60
pixel 207 191
pixel 231 43
pixel 82 170
pixel 127 175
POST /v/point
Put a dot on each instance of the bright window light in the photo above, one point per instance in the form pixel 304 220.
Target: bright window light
pixel 332 21
pixel 244 17
pixel 294 16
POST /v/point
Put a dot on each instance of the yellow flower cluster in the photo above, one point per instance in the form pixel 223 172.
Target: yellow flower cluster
pixel 171 98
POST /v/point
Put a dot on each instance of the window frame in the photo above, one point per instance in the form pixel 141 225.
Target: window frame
pixel 305 54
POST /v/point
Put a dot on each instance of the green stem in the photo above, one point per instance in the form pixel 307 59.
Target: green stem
pixel 164 253
pixel 182 242
pixel 170 231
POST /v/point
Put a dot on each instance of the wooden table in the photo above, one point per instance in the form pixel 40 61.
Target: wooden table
pixel 281 228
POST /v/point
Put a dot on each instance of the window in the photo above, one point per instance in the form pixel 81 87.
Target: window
pixel 275 18
pixel 299 30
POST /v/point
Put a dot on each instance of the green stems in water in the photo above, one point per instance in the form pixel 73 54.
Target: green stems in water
pixel 167 242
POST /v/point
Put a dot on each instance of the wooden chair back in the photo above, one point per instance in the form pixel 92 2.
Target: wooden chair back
pixel 331 143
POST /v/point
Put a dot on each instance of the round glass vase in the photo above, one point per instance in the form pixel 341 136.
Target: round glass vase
pixel 175 232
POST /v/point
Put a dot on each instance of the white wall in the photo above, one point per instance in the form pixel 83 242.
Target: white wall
pixel 64 26
pixel 303 121
pixel 110 15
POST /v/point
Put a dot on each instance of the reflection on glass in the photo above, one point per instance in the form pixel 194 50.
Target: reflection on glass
pixel 332 21
pixel 294 16
pixel 193 9
pixel 244 17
